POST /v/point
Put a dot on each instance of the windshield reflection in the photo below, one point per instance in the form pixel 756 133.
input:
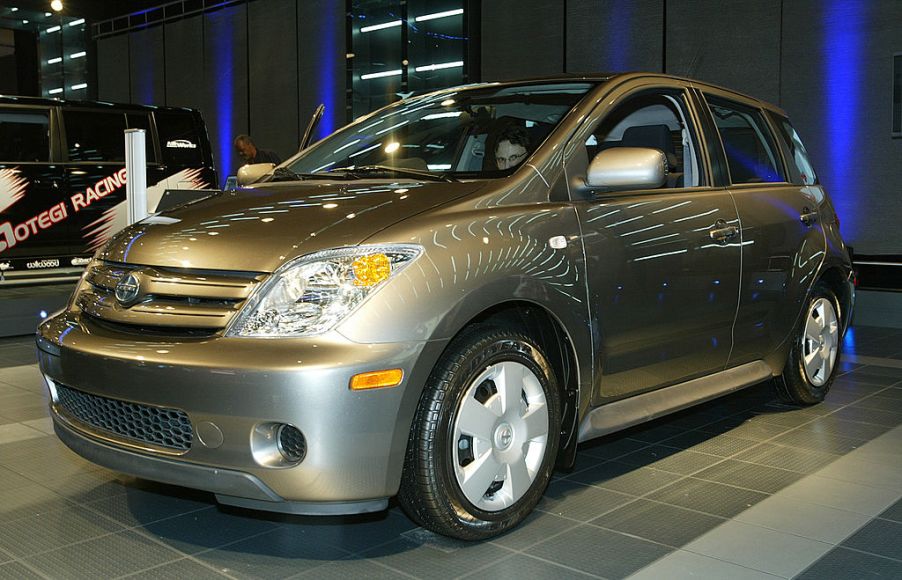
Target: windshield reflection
pixel 460 132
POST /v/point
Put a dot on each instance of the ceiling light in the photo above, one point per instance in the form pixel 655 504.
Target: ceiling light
pixel 381 26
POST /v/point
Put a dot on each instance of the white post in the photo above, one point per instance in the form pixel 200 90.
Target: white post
pixel 136 169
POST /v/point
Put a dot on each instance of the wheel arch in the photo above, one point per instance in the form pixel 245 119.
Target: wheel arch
pixel 836 279
pixel 540 324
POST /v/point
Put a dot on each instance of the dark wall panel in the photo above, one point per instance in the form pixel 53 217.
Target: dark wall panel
pixel 729 42
pixel 273 75
pixel 225 83
pixel 615 35
pixel 522 38
pixel 145 57
pixel 185 62
pixel 321 63
pixel 113 70
pixel 837 87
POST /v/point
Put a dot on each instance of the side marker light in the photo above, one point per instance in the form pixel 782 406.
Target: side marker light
pixel 377 379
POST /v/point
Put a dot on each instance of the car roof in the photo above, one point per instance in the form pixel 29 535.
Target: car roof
pixel 68 103
pixel 623 76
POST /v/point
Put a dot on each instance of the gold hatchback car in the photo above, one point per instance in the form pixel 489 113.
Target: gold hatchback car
pixel 442 299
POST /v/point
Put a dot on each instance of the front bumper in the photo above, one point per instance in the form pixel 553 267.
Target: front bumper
pixel 235 387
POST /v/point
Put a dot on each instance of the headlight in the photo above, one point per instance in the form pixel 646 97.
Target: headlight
pixel 314 293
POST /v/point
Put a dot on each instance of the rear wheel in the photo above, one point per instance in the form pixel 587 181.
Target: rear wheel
pixel 809 370
pixel 485 436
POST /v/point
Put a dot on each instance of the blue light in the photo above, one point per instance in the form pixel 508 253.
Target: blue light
pixel 223 64
pixel 43 314
pixel 327 45
pixel 845 33
pixel 848 343
pixel 143 68
pixel 128 248
pixel 620 33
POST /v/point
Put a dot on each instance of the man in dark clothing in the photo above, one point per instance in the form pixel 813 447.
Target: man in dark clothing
pixel 250 154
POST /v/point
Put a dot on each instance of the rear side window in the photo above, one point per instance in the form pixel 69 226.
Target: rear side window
pixel 95 136
pixel 24 135
pixel 179 138
pixel 747 143
pixel 798 155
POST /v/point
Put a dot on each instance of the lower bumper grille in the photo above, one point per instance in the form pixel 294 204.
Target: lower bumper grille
pixel 158 426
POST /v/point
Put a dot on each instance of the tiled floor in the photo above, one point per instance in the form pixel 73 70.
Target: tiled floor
pixel 741 487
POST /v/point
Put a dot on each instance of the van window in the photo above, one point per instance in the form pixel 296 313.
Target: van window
pixel 95 136
pixel 798 154
pixel 179 139
pixel 24 135
pixel 747 143
pixel 142 121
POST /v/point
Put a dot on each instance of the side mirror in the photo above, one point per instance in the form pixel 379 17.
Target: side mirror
pixel 248 174
pixel 628 168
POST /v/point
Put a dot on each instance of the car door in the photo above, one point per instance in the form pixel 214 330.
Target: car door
pixel 662 269
pixel 34 229
pixel 782 239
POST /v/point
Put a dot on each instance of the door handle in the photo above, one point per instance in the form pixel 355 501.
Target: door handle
pixel 807 216
pixel 721 231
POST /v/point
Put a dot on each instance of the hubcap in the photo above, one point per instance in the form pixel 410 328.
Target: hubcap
pixel 821 342
pixel 500 436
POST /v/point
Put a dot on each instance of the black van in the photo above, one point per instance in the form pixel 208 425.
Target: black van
pixel 62 175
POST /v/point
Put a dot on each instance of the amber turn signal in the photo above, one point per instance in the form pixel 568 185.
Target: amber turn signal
pixel 377 379
pixel 371 269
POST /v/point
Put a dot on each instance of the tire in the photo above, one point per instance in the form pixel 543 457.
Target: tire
pixel 484 438
pixel 811 366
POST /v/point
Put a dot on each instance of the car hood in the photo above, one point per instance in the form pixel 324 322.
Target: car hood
pixel 261 228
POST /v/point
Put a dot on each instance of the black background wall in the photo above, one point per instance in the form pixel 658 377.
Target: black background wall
pixel 827 62
pixel 243 66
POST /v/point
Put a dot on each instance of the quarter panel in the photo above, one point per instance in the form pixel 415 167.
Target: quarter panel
pixel 781 256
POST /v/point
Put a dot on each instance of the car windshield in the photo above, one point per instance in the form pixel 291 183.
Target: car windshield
pixel 467 132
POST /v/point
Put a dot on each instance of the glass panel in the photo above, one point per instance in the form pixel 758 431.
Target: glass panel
pixel 24 135
pixel 179 139
pixel 95 136
pixel 376 67
pixel 747 143
pixel 453 131
pixel 142 121
pixel 799 154
pixel 436 44
pixel 62 50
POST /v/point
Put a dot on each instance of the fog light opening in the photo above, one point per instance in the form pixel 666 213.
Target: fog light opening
pixel 291 443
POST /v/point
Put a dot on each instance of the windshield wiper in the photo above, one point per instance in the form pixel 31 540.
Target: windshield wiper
pixel 405 171
pixel 285 174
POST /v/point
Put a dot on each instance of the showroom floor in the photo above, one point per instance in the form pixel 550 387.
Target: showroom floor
pixel 741 487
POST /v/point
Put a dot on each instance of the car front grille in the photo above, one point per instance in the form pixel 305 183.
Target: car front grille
pixel 142 424
pixel 175 302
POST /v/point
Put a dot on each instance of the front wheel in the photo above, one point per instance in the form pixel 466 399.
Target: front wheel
pixel 810 368
pixel 485 436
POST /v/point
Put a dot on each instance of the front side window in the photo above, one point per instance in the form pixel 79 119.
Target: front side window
pixel 656 120
pixel 95 136
pixel 747 143
pixel 478 132
pixel 24 135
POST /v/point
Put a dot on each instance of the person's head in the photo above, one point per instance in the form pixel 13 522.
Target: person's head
pixel 512 147
pixel 245 147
